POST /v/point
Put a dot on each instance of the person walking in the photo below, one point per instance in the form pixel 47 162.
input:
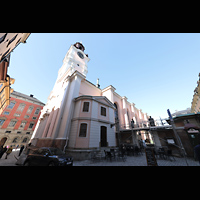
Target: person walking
pixel 21 149
pixel 8 152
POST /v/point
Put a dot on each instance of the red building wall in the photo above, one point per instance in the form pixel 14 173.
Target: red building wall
pixel 23 113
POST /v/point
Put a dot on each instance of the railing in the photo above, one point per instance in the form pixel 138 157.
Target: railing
pixel 142 124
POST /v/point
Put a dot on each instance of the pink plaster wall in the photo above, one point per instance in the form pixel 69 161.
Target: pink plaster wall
pixel 88 89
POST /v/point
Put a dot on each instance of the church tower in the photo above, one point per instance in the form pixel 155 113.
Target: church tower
pixel 53 126
pixel 75 59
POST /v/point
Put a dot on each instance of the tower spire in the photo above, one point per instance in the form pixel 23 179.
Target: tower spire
pixel 97 85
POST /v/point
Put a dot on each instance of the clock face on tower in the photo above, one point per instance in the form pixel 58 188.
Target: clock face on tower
pixel 80 55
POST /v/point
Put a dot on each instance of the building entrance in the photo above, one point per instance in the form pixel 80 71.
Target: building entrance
pixel 103 136
pixel 3 141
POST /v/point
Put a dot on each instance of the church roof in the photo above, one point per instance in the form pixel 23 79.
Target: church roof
pixel 100 99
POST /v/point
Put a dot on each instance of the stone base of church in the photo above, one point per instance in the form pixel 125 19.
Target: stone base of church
pixel 79 154
pixel 48 142
pixel 85 154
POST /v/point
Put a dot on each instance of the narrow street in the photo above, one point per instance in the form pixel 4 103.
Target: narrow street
pixel 137 161
pixel 130 161
pixel 11 160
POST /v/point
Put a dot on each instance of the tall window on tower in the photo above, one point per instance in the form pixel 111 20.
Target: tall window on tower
pixel 86 106
pixel 103 111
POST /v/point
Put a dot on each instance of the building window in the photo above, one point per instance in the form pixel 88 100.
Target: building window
pixel 86 106
pixel 83 130
pixel 37 111
pixel 170 141
pixel 34 118
pixel 17 115
pixel 31 125
pixel 21 107
pixel 8 132
pixel 6 113
pixel 14 141
pixel 12 104
pixel 26 116
pixel 24 140
pixel 12 123
pixel 3 38
pixel 22 124
pixel 2 121
pixel 30 109
pixel 103 111
pixel 28 133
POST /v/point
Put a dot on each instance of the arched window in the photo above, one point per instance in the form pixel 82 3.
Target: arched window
pixel 14 141
pixel 128 115
pixel 24 140
pixel 116 111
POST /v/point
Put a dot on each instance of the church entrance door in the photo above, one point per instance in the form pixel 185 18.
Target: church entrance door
pixel 103 136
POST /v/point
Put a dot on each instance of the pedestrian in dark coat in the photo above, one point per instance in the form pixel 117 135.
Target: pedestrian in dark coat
pixel 21 149
pixel 8 152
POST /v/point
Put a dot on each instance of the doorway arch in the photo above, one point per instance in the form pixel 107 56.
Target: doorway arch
pixel 3 141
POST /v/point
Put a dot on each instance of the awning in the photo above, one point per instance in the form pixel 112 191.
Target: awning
pixel 191 126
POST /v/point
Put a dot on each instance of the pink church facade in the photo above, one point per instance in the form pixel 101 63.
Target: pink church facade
pixel 79 115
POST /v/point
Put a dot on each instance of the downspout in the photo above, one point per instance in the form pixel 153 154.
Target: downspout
pixel 67 138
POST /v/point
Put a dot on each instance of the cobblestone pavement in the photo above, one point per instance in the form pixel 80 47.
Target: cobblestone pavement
pixel 139 160
pixel 11 160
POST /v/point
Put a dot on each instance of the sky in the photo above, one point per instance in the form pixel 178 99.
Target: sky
pixel 156 71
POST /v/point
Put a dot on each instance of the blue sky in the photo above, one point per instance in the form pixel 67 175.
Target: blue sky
pixel 156 71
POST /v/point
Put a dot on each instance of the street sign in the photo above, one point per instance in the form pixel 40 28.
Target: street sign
pixel 151 160
pixel 170 116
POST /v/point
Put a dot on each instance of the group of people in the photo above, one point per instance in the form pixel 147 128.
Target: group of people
pixel 8 151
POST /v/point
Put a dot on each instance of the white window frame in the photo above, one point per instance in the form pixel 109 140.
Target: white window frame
pixel 12 123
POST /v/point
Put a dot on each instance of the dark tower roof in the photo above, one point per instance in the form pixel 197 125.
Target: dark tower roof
pixel 78 45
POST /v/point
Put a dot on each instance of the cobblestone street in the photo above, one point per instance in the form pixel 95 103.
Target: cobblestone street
pixel 139 160
pixel 11 160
